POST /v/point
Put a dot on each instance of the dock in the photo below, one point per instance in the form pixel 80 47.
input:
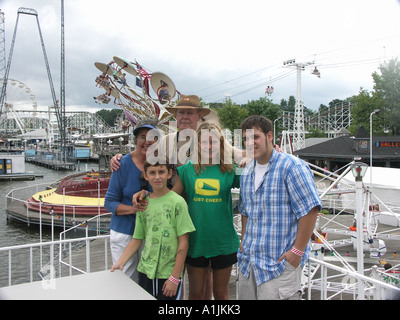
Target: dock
pixel 51 163
pixel 20 176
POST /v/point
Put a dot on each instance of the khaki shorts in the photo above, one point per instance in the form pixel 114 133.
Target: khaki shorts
pixel 285 287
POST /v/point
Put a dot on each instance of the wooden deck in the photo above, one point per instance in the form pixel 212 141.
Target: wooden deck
pixel 52 164
pixel 20 176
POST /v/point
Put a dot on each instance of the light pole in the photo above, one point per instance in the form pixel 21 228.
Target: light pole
pixel 359 169
pixel 275 127
pixel 370 146
pixel 120 139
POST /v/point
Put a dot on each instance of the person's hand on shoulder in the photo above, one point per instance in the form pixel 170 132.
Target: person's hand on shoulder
pixel 114 162
pixel 243 163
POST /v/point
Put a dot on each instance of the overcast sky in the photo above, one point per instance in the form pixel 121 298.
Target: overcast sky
pixel 210 48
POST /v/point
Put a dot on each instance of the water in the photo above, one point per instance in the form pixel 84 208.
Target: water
pixel 16 233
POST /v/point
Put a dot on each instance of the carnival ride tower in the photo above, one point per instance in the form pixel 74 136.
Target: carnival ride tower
pixel 299 129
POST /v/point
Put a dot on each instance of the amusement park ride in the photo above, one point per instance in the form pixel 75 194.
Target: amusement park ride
pixel 18 106
pixel 373 233
pixel 32 12
pixel 299 127
pixel 13 99
pixel 136 101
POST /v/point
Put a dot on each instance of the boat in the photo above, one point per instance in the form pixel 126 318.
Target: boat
pixel 79 194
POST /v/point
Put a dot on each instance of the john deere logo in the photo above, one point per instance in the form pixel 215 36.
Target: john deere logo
pixel 207 187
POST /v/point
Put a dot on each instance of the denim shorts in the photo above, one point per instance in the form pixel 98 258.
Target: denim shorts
pixel 217 262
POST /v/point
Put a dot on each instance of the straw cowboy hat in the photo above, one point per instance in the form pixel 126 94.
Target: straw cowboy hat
pixel 188 102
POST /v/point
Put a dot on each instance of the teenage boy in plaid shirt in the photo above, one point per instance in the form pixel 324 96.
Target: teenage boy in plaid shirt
pixel 279 204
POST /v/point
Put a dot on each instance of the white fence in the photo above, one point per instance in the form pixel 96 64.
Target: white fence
pixel 47 260
pixel 36 261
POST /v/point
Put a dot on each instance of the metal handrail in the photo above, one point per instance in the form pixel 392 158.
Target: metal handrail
pixel 64 234
pixel 377 285
pixel 52 244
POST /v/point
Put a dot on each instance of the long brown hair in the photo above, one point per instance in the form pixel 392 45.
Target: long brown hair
pixel 216 130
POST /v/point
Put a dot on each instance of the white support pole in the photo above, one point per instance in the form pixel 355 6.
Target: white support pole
pixel 299 137
pixel 360 237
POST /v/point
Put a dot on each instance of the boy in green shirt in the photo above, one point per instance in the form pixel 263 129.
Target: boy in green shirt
pixel 165 225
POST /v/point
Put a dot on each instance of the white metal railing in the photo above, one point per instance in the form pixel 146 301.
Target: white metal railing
pixel 37 254
pixel 345 281
pixel 347 285
pixel 63 236
pixel 31 262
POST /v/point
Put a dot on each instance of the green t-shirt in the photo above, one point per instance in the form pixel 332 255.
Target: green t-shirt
pixel 164 220
pixel 210 206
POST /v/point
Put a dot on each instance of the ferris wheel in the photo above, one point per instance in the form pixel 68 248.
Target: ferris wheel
pixel 19 105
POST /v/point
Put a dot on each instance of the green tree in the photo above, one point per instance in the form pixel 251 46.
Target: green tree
pixel 335 101
pixel 322 108
pixel 283 104
pixel 315 133
pixel 231 115
pixel 264 107
pixel 387 92
pixel 291 104
pixel 365 103
pixel 109 116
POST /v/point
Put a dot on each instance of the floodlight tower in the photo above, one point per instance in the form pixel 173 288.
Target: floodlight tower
pixel 298 129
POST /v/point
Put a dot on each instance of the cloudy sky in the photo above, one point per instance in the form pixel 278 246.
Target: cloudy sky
pixel 210 48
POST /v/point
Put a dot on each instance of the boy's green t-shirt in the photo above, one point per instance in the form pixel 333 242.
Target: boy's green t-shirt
pixel 164 220
pixel 210 206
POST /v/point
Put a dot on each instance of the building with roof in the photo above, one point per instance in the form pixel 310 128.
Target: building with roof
pixel 345 148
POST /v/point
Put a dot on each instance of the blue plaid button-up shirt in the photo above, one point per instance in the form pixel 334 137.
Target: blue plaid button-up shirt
pixel 287 193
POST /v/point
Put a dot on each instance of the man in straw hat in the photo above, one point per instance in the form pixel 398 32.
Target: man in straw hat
pixel 189 104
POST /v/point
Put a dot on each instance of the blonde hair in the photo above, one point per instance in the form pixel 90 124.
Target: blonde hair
pixel 216 130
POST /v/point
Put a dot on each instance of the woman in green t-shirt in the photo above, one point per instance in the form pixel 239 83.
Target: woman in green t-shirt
pixel 208 183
